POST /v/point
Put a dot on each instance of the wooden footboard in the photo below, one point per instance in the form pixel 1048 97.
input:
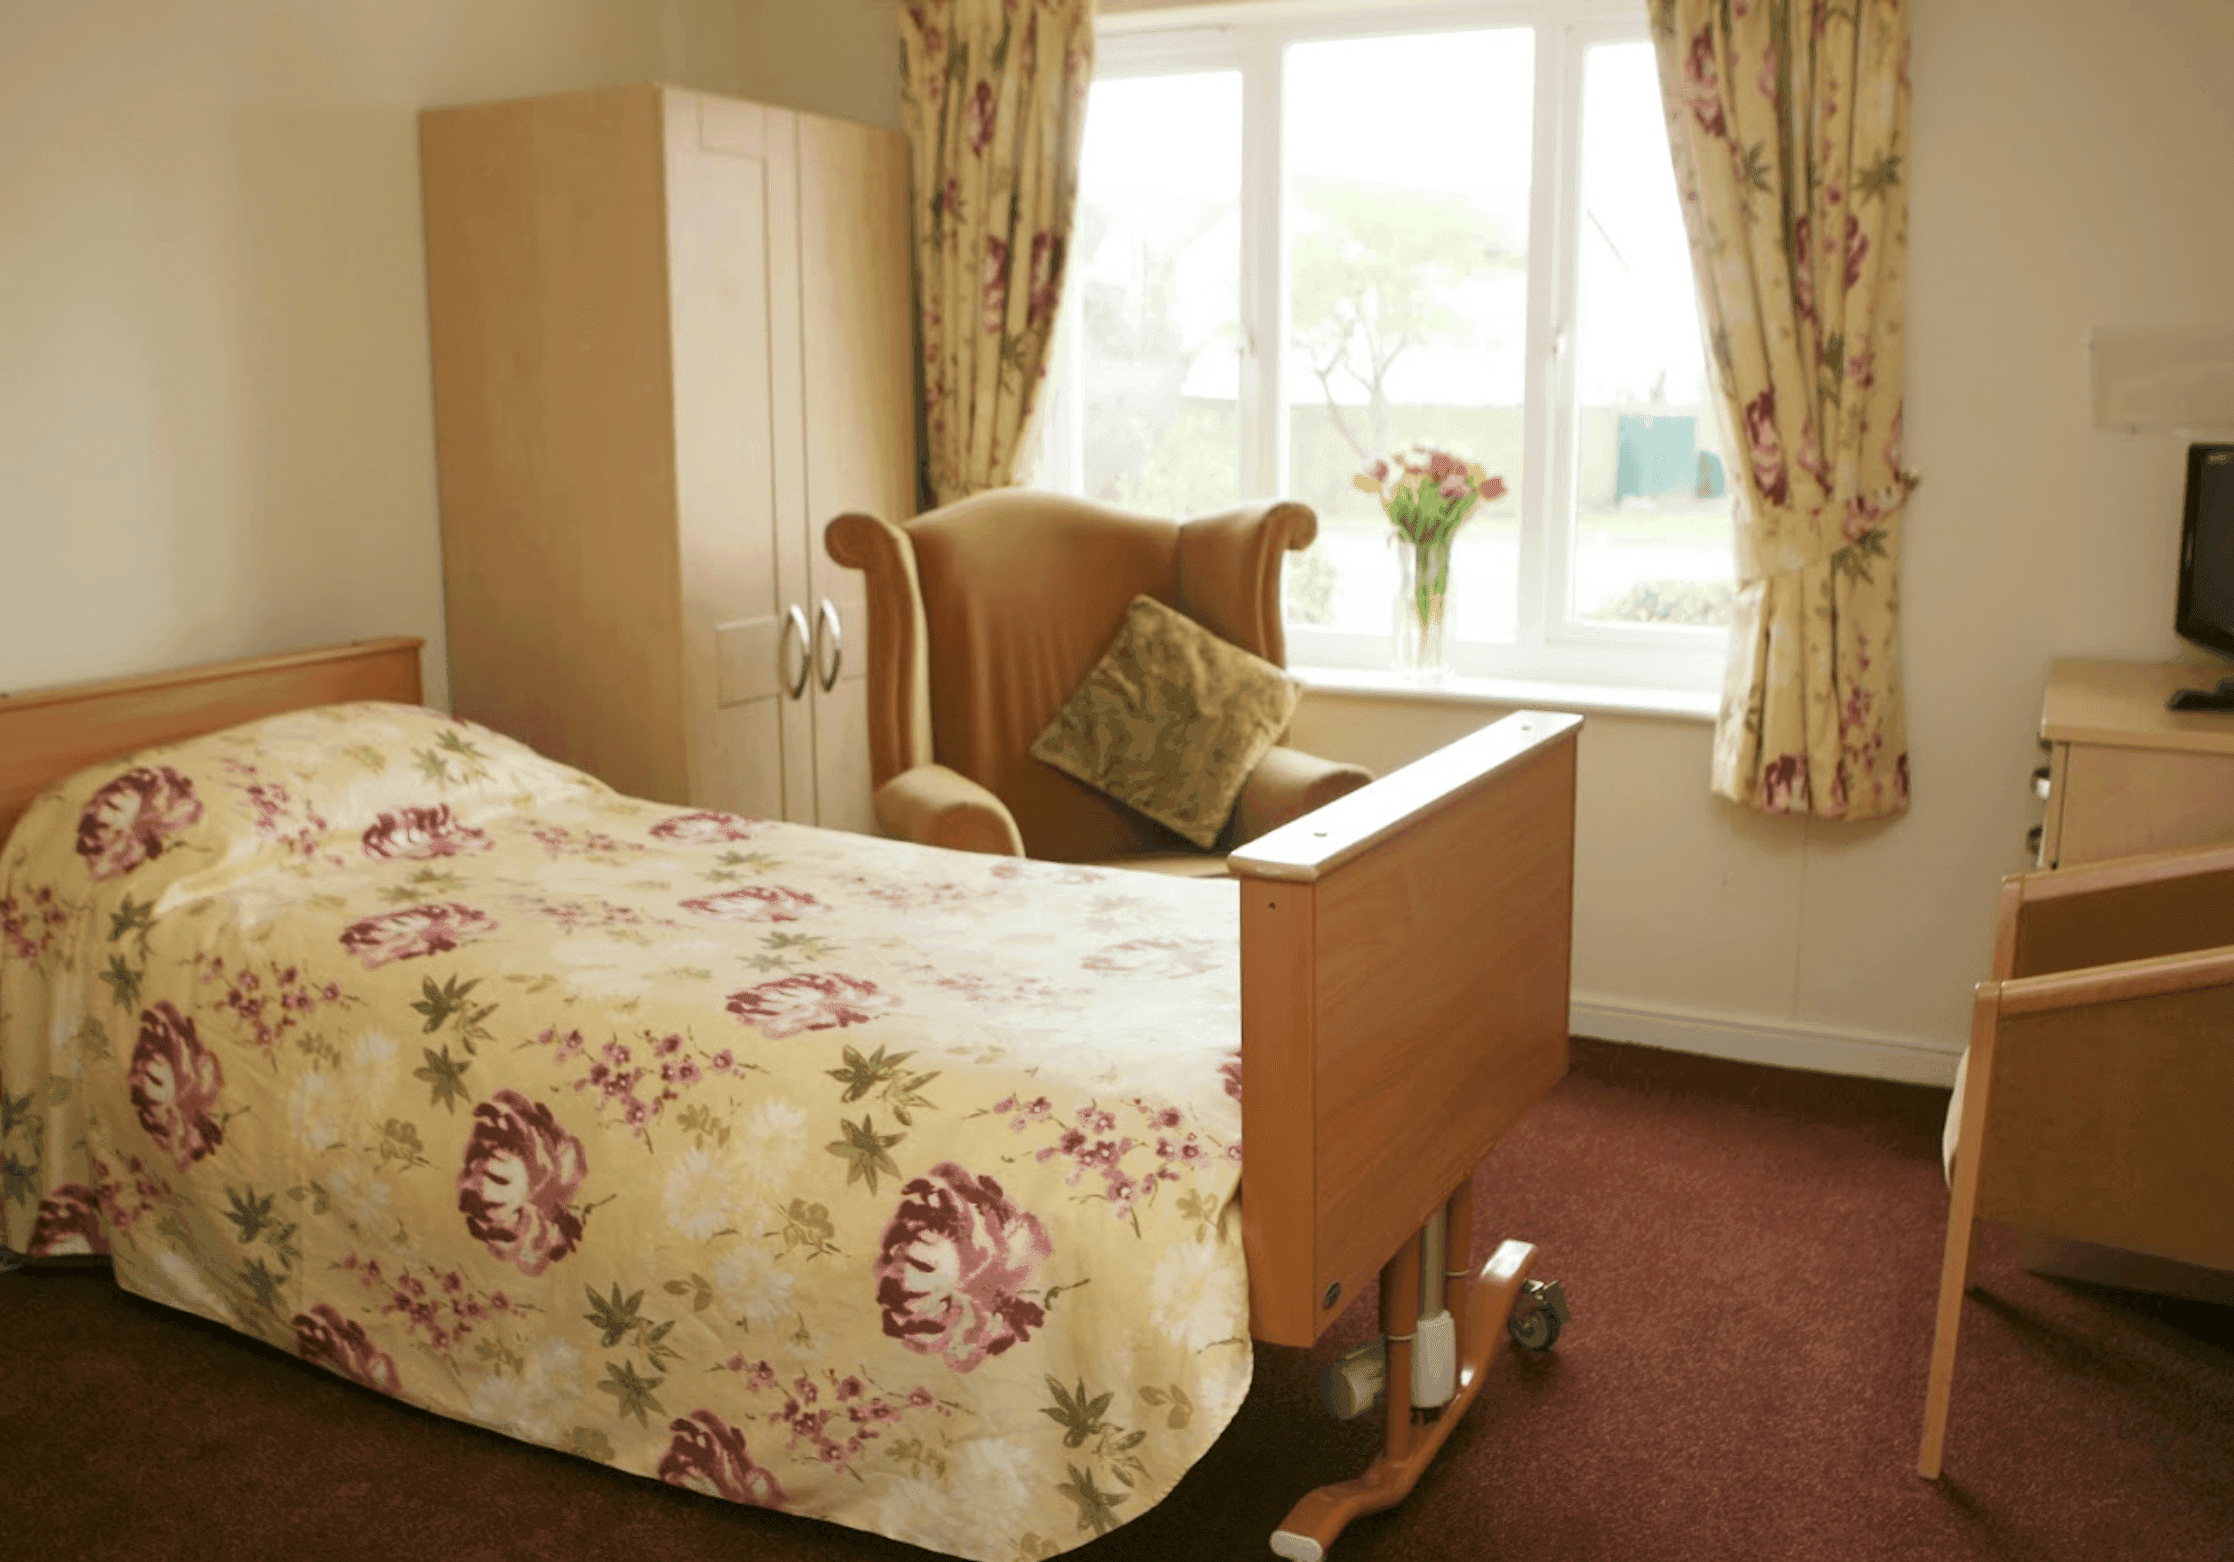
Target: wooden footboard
pixel 1404 997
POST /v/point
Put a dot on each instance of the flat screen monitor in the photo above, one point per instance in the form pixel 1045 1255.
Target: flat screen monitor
pixel 2206 610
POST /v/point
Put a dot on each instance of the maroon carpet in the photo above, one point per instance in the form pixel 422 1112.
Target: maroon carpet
pixel 1751 1255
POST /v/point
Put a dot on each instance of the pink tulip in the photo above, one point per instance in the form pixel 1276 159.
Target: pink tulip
pixel 1493 488
pixel 1455 486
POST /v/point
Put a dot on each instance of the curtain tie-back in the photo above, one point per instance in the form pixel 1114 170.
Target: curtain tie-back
pixel 1791 539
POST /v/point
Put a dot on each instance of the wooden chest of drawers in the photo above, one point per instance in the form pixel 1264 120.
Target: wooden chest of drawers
pixel 2125 775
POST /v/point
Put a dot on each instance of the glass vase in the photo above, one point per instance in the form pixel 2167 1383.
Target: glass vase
pixel 1422 609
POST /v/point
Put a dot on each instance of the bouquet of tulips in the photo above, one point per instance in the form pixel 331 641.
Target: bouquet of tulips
pixel 1426 493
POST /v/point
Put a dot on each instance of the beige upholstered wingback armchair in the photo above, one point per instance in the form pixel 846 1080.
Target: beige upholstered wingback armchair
pixel 986 614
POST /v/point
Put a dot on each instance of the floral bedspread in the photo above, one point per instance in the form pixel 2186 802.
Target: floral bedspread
pixel 888 1185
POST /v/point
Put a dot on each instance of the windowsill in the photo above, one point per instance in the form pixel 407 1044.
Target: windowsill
pixel 1533 694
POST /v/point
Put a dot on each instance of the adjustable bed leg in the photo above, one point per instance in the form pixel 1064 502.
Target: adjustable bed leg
pixel 1481 1304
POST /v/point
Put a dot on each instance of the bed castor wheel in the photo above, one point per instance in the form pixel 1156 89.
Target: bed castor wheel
pixel 1537 1314
pixel 1355 1381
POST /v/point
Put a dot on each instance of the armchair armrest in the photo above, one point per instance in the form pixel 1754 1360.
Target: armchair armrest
pixel 935 806
pixel 2100 914
pixel 1287 784
pixel 898 684
pixel 2115 932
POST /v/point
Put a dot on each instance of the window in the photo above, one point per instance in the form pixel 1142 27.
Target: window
pixel 1311 233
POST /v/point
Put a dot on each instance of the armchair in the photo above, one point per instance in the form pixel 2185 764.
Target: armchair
pixel 2092 1103
pixel 985 614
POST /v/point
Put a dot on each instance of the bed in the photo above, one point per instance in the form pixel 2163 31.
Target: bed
pixel 884 1184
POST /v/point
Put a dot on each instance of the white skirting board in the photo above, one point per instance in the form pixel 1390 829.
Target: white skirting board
pixel 1822 1049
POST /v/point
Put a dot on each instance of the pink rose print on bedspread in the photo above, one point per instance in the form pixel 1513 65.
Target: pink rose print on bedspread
pixel 126 822
pixel 755 903
pixel 174 1081
pixel 709 1455
pixel 29 928
pixel 326 1339
pixel 423 833
pixel 706 828
pixel 279 818
pixel 415 931
pixel 436 1306
pixel 811 1000
pixel 953 1264
pixel 1165 956
pixel 521 1171
pixel 127 1195
pixel 69 1222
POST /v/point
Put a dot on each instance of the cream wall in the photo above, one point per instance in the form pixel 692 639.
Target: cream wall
pixel 838 57
pixel 215 433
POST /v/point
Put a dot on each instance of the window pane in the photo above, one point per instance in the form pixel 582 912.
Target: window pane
pixel 1153 347
pixel 1652 503
pixel 1407 234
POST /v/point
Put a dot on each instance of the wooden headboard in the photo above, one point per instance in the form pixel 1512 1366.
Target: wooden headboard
pixel 46 734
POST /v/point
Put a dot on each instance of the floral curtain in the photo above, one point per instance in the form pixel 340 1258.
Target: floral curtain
pixel 993 94
pixel 1788 120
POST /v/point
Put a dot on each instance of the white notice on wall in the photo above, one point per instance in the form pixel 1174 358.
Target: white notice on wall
pixel 2164 380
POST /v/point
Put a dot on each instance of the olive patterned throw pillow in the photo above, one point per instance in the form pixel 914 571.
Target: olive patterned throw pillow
pixel 1171 721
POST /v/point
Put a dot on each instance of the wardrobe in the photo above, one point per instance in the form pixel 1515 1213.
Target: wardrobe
pixel 671 338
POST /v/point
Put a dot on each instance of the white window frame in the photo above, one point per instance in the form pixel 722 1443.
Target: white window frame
pixel 1550 645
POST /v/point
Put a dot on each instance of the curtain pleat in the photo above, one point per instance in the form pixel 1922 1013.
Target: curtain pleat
pixel 1788 123
pixel 993 96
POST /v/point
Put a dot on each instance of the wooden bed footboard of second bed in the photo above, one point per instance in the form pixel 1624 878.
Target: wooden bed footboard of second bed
pixel 1404 968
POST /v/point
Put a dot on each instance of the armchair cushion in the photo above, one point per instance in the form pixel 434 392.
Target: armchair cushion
pixel 1171 721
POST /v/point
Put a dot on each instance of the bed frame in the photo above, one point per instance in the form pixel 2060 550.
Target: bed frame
pixel 1404 993
pixel 47 734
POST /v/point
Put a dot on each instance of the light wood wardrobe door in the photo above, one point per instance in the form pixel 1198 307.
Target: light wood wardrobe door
pixel 857 324
pixel 729 173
